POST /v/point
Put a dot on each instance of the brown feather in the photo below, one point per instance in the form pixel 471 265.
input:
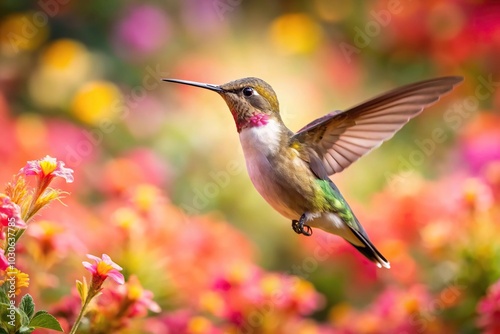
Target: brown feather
pixel 340 138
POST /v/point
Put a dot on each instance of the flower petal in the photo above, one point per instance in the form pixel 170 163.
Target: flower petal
pixel 95 258
pixel 90 267
pixel 48 167
pixel 116 276
pixel 4 264
pixel 10 213
pixel 110 262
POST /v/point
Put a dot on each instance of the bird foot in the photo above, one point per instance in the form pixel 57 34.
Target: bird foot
pixel 299 227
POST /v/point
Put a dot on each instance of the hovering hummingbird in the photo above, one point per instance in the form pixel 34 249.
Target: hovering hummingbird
pixel 291 170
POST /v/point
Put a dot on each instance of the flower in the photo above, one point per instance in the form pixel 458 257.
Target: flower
pixel 488 310
pixel 480 141
pixel 142 300
pixel 143 30
pixel 48 168
pixel 10 213
pixel 16 277
pixel 103 268
pixel 4 264
pixel 295 34
pixel 15 25
pixel 126 301
pixel 477 195
pixel 48 237
pixel 395 310
pixel 94 102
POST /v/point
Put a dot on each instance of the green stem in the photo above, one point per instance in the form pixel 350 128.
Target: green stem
pixel 91 294
pixel 19 233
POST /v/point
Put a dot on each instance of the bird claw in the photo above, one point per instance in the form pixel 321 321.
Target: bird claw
pixel 299 227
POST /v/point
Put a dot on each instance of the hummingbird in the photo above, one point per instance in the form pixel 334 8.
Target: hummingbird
pixel 292 171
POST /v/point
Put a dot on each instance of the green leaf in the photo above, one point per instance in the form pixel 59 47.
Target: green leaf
pixel 82 288
pixel 44 320
pixel 26 330
pixel 3 295
pixel 24 318
pixel 27 305
pixel 12 319
pixel 40 312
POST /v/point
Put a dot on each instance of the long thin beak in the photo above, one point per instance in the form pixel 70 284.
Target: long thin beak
pixel 214 88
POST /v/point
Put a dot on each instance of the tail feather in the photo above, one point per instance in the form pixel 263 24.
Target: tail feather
pixel 369 250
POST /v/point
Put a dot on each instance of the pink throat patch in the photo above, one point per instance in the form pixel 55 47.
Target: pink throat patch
pixel 258 120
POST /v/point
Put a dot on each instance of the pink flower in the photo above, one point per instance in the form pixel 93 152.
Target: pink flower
pixel 4 264
pixel 488 310
pixel 47 168
pixel 144 29
pixel 131 299
pixel 142 299
pixel 10 213
pixel 480 141
pixel 102 269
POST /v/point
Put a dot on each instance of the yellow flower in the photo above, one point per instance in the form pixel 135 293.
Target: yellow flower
pixel 63 54
pixel 212 302
pixel 270 284
pixel 125 218
pixel 64 65
pixel 96 101
pixel 143 299
pixel 145 196
pixel 198 325
pixel 48 166
pixel 20 32
pixel 295 33
pixel 16 279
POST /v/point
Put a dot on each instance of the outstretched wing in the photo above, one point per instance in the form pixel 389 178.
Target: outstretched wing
pixel 340 138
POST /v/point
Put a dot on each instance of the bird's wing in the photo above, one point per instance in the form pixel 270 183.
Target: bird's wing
pixel 340 138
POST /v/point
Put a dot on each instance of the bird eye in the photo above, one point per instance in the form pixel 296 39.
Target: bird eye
pixel 248 91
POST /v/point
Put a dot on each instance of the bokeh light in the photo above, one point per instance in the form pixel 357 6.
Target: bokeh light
pixel 160 182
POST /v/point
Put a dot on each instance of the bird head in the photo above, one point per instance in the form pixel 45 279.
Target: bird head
pixel 252 101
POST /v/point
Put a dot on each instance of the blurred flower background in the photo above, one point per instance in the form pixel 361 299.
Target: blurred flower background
pixel 160 182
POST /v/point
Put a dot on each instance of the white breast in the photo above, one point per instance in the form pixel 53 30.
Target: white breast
pixel 261 139
pixel 258 143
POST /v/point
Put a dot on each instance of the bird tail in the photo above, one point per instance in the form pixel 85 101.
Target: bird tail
pixel 369 250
